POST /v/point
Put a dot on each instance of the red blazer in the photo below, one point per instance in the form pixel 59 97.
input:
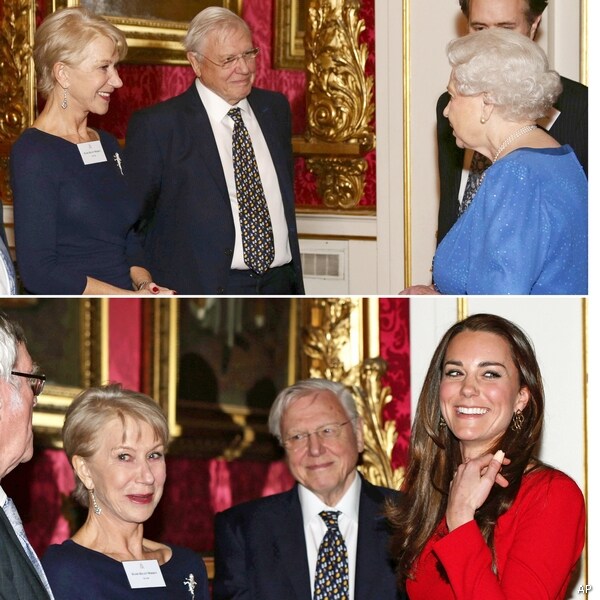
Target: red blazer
pixel 538 542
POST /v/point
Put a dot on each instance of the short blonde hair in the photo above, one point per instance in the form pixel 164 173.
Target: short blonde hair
pixel 64 37
pixel 509 68
pixel 93 409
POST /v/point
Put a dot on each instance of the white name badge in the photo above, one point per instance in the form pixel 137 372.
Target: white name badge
pixel 143 574
pixel 91 152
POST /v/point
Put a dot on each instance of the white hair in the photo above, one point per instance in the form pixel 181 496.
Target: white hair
pixel 509 68
pixel 305 388
pixel 214 19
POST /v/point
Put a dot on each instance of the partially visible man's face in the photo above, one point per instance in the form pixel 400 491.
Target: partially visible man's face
pixel 506 14
pixel 231 83
pixel 16 408
pixel 325 467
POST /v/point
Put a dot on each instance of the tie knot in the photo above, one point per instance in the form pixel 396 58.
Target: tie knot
pixel 235 114
pixel 330 517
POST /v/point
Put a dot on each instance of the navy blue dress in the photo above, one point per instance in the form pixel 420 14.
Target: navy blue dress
pixel 525 232
pixel 71 220
pixel 78 573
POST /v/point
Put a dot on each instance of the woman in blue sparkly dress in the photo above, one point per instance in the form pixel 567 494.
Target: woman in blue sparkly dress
pixel 74 215
pixel 525 230
pixel 116 440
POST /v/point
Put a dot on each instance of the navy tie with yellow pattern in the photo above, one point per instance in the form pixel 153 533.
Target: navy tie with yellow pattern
pixel 255 221
pixel 331 577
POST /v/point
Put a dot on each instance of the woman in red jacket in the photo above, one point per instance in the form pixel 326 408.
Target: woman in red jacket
pixel 481 517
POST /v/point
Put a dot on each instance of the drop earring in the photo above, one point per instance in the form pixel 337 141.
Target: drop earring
pixel 97 509
pixel 517 420
pixel 442 424
pixel 64 104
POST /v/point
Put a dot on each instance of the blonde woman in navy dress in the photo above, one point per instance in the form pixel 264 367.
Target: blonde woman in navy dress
pixel 116 441
pixel 74 216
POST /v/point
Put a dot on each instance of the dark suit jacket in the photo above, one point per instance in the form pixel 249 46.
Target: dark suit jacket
pixel 173 166
pixel 571 127
pixel 260 551
pixel 18 578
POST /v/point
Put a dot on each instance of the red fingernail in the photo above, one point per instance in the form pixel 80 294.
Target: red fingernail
pixel 154 289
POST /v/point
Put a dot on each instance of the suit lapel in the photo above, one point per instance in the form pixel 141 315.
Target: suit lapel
pixel 370 531
pixel 203 140
pixel 290 547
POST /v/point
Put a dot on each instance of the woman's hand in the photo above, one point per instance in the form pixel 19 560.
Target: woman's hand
pixel 153 289
pixel 419 290
pixel 471 486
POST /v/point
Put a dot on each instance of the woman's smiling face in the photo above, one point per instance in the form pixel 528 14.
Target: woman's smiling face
pixel 479 390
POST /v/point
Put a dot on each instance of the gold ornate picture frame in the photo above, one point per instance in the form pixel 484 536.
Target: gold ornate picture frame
pixel 208 429
pixel 290 29
pixel 151 38
pixel 82 326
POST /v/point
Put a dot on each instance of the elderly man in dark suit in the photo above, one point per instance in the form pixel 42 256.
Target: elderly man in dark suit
pixel 213 170
pixel 568 122
pixel 327 536
pixel 21 574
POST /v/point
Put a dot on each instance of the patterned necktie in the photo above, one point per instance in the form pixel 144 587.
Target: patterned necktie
pixel 479 164
pixel 10 510
pixel 255 222
pixel 331 578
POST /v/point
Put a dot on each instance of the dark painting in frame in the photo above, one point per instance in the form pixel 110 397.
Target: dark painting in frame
pixel 68 339
pixel 290 28
pixel 216 380
pixel 154 29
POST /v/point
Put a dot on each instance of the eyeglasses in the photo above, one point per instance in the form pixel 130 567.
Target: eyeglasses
pixel 36 382
pixel 326 432
pixel 230 62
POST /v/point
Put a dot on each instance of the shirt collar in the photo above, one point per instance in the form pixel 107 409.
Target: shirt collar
pixel 312 505
pixel 3 497
pixel 215 106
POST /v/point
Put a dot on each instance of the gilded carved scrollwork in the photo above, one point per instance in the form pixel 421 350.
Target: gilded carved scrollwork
pixel 16 78
pixel 326 333
pixel 339 96
pixel 340 181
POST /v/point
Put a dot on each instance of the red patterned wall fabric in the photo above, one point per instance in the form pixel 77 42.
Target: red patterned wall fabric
pixel 194 488
pixel 394 341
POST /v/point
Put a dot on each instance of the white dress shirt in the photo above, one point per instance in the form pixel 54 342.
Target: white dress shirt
pixel 222 127
pixel 315 528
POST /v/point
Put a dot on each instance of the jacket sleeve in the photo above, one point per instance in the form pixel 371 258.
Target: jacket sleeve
pixel 546 543
pixel 231 577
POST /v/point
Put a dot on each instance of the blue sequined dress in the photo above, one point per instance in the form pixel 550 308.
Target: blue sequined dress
pixel 525 232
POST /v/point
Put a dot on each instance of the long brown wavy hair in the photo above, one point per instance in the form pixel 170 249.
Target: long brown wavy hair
pixel 435 453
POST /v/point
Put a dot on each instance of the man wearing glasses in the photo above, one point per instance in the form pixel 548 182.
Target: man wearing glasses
pixel 324 538
pixel 214 171
pixel 21 574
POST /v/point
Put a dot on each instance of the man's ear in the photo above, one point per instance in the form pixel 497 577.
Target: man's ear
pixel 534 27
pixel 191 56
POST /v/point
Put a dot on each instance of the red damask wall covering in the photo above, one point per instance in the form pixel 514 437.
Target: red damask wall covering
pixel 196 488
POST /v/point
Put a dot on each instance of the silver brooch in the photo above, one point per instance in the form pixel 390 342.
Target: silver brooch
pixel 191 584
pixel 118 161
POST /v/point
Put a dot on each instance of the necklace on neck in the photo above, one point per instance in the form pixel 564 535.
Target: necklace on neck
pixel 511 138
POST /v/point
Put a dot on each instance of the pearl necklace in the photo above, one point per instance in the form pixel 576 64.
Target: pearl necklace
pixel 511 138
